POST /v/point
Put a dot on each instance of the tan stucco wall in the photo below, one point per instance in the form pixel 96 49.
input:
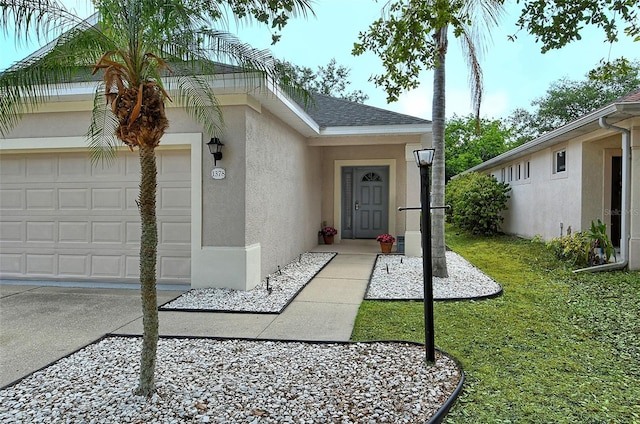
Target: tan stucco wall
pixel 223 201
pixel 283 186
pixel 60 124
pixel 539 205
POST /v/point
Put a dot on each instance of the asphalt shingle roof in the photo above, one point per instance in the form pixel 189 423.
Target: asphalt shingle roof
pixel 330 111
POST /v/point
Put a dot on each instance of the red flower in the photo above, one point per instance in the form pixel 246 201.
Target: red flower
pixel 385 238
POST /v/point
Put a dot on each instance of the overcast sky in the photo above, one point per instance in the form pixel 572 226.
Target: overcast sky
pixel 515 73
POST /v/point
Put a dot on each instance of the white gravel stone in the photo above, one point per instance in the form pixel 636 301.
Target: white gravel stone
pixel 400 277
pixel 283 285
pixel 236 381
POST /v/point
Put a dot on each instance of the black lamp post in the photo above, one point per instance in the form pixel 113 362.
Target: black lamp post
pixel 424 159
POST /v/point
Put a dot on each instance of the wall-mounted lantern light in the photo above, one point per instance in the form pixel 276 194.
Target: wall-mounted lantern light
pixel 215 147
pixel 424 160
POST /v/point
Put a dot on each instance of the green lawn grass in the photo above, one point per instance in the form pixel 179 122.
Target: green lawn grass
pixel 556 347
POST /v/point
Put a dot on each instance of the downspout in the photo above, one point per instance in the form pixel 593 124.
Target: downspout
pixel 626 198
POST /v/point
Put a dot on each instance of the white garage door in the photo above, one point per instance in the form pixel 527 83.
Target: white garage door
pixel 62 218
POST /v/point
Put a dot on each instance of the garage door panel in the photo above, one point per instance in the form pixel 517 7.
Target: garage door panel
pixel 72 166
pixel 107 266
pixel 107 199
pixel 73 198
pixel 107 232
pixel 12 199
pixel 132 165
pixel 175 233
pixel 132 233
pixel 42 265
pixel 63 218
pixel 73 265
pixel 40 167
pixel 174 166
pixel 173 267
pixel 174 198
pixel 41 231
pixel 132 195
pixel 12 169
pixel 12 231
pixel 111 171
pixel 41 199
pixel 12 263
pixel 73 232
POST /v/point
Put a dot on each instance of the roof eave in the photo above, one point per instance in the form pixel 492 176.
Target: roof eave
pixel 588 123
pixel 399 129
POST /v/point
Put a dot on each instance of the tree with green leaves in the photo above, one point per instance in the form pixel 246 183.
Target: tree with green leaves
pixel 331 80
pixel 556 23
pixel 411 36
pixel 148 52
pixel 567 100
pixel 467 146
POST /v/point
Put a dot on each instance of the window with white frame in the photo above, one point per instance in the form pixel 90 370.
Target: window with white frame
pixel 510 173
pixel 527 170
pixel 559 161
pixel 518 172
pixel 502 175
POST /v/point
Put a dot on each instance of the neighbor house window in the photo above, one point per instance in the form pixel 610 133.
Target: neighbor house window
pixel 527 170
pixel 518 171
pixel 502 175
pixel 560 161
pixel 510 173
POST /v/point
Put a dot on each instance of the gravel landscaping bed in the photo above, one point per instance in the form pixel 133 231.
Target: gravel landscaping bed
pixel 272 295
pixel 237 381
pixel 398 277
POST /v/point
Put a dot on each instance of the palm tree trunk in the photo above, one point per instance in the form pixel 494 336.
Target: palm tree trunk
pixel 148 258
pixel 438 248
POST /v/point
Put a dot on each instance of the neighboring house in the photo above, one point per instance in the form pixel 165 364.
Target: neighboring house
pixel 586 170
pixel 287 172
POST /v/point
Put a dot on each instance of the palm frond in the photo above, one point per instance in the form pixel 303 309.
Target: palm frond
pixel 100 135
pixel 46 19
pixel 32 81
pixel 195 94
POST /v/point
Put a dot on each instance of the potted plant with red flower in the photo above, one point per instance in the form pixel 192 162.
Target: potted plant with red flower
pixel 386 242
pixel 327 234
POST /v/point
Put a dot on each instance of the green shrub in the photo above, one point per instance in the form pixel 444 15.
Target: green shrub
pixel 477 202
pixel 572 248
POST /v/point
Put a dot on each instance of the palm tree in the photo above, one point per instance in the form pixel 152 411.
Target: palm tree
pixel 143 50
pixel 412 36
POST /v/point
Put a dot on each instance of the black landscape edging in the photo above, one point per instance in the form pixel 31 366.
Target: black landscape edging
pixel 421 299
pixel 446 407
pixel 99 339
pixel 231 311
pixel 442 299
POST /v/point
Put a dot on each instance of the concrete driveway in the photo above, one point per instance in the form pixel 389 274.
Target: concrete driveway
pixel 38 325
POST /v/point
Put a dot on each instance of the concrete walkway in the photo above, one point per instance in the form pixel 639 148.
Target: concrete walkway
pixel 40 324
pixel 325 310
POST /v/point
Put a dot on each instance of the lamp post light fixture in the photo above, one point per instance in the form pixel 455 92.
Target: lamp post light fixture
pixel 215 147
pixel 424 160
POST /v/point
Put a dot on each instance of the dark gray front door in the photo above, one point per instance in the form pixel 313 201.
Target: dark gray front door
pixel 365 201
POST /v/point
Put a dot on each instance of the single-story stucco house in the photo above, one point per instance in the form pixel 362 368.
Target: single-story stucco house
pixel 288 170
pixel 586 170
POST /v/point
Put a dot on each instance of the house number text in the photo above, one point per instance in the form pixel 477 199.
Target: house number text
pixel 218 173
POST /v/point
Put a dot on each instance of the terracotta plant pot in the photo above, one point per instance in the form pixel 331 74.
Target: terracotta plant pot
pixel 328 239
pixel 386 247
